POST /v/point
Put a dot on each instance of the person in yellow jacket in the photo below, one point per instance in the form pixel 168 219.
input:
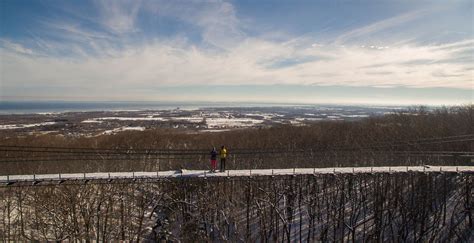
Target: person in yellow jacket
pixel 223 155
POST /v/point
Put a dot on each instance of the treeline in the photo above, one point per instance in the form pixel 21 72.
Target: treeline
pixel 400 138
pixel 405 207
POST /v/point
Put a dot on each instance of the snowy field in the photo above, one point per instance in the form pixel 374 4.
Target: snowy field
pixel 233 173
pixel 19 126
pixel 211 121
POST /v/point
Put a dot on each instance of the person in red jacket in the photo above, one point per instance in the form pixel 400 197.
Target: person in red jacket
pixel 213 159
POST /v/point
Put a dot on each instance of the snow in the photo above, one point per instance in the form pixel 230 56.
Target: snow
pixel 215 130
pixel 127 119
pixel 355 116
pixel 121 129
pixel 91 121
pixel 18 126
pixel 213 122
pixel 309 119
pixel 132 129
pixel 266 116
pixel 188 119
pixel 231 122
pixel 234 173
pixel 48 113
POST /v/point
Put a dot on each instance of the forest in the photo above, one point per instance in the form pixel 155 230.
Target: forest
pixel 402 207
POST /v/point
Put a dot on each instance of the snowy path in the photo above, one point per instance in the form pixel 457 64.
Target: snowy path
pixel 232 173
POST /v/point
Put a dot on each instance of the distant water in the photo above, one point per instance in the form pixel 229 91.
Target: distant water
pixel 31 107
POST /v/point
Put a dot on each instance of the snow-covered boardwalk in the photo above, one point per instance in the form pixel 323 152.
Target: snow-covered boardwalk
pixel 230 173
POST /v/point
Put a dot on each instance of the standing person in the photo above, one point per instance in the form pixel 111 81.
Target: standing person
pixel 213 159
pixel 223 155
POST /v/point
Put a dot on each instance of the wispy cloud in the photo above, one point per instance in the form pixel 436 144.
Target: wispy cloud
pixel 15 47
pixel 252 62
pixel 118 56
pixel 381 25
pixel 119 16
pixel 216 19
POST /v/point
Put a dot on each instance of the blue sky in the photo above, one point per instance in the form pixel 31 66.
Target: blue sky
pixel 380 51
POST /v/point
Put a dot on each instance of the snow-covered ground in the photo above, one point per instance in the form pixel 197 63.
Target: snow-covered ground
pixel 18 126
pixel 308 119
pixel 212 122
pixel 234 173
pixel 92 121
pixel 124 119
pixel 215 130
pixel 231 122
pixel 121 129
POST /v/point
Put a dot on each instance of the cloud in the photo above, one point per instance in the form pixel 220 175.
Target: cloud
pixel 380 26
pixel 254 61
pixel 216 19
pixel 119 16
pixel 15 47
pixel 116 26
pixel 83 60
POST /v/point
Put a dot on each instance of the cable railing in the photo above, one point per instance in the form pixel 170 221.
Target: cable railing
pixel 33 159
pixel 82 150
pixel 129 157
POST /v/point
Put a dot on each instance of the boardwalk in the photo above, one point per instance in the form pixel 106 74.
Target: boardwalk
pixel 9 179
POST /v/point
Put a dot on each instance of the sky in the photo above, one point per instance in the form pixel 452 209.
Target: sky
pixel 339 51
